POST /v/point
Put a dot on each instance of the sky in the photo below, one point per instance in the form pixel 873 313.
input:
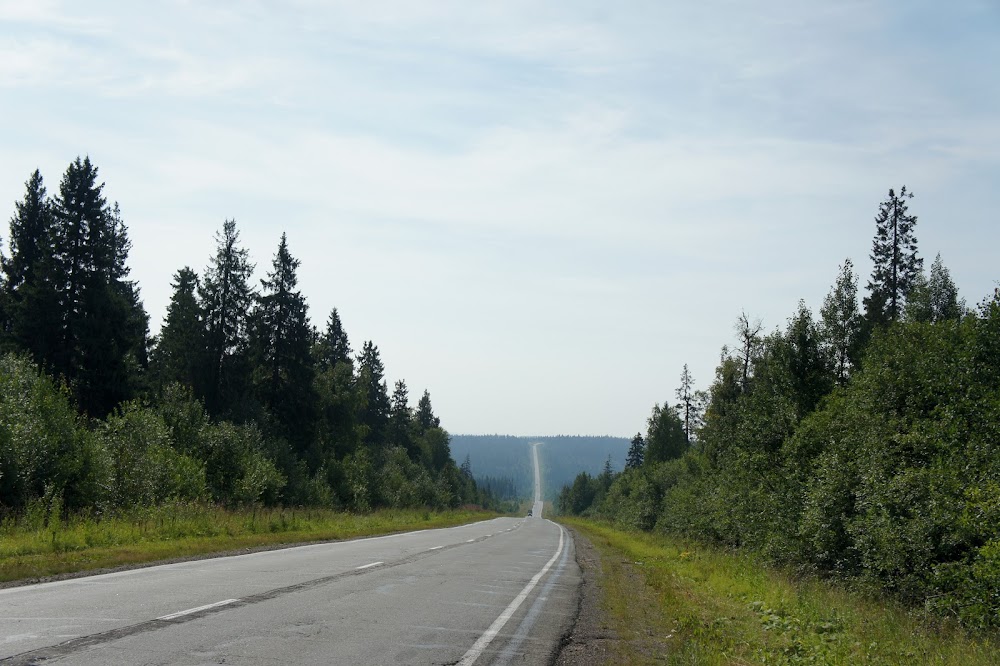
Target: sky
pixel 538 211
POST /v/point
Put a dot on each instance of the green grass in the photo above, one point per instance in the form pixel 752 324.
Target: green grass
pixel 699 605
pixel 33 547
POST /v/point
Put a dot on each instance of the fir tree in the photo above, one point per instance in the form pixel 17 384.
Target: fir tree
pixel 425 414
pixel 400 421
pixel 894 253
pixel 665 438
pixel 180 350
pixel 333 345
pixel 687 407
pixel 226 298
pixel 30 231
pixel 281 342
pixel 636 452
pixel 373 396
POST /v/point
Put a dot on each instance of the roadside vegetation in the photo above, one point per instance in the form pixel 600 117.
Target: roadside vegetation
pixel 239 409
pixel 861 447
pixel 672 601
pixel 39 543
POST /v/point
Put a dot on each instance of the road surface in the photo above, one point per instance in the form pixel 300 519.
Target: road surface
pixel 495 592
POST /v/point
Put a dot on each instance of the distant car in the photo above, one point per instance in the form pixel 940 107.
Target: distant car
pixel 529 512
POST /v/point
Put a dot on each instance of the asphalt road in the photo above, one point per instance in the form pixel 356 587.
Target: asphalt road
pixel 495 592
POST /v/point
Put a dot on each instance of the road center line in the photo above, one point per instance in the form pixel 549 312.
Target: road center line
pixel 196 610
pixel 369 565
pixel 480 645
pixel 470 541
pixel 436 548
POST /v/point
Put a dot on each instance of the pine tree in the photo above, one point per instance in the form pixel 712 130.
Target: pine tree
pixel 400 420
pixel 30 231
pixel 226 298
pixel 97 335
pixel 373 395
pixel 687 407
pixel 425 414
pixel 894 253
pixel 636 452
pixel 32 317
pixel 333 347
pixel 179 355
pixel 841 322
pixel 281 343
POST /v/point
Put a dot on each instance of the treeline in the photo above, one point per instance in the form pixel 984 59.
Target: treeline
pixel 863 445
pixel 239 400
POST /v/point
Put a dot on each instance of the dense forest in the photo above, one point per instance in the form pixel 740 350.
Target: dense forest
pixel 561 457
pixel 863 444
pixel 239 400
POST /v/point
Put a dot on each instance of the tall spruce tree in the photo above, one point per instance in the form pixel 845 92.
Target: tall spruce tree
pixel 226 299
pixel 840 322
pixel 99 329
pixel 636 452
pixel 425 418
pixel 179 355
pixel 665 438
pixel 333 347
pixel 373 395
pixel 894 253
pixel 401 420
pixel 281 342
pixel 31 315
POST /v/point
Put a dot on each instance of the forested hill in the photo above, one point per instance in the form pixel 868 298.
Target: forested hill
pixel 562 457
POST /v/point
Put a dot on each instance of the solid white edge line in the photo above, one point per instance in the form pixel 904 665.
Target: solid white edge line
pixel 195 610
pixel 480 645
pixel 369 565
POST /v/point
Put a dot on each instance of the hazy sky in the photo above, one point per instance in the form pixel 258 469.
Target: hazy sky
pixel 537 210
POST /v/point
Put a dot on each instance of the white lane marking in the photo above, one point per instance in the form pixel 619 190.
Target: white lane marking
pixel 470 541
pixel 477 648
pixel 436 548
pixel 369 565
pixel 195 610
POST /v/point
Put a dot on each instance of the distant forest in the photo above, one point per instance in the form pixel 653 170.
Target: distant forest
pixel 239 400
pixel 561 458
pixel 862 445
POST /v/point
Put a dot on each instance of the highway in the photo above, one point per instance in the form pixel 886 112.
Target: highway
pixel 495 592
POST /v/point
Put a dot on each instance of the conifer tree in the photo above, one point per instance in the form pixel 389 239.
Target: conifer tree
pixel 425 414
pixel 636 452
pixel 226 298
pixel 894 253
pixel 32 317
pixel 401 420
pixel 687 407
pixel 665 438
pixel 840 322
pixel 97 333
pixel 179 355
pixel 281 342
pixel 373 395
pixel 333 347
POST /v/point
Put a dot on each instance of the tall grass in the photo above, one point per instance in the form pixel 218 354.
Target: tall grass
pixel 38 543
pixel 700 605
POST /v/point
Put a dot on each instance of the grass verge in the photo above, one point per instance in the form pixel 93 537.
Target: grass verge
pixel 32 549
pixel 699 605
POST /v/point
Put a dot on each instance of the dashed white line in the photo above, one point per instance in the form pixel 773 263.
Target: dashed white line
pixel 369 565
pixel 195 610
pixel 436 548
pixel 470 541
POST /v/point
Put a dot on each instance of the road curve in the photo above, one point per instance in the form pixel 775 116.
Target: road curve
pixel 494 592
